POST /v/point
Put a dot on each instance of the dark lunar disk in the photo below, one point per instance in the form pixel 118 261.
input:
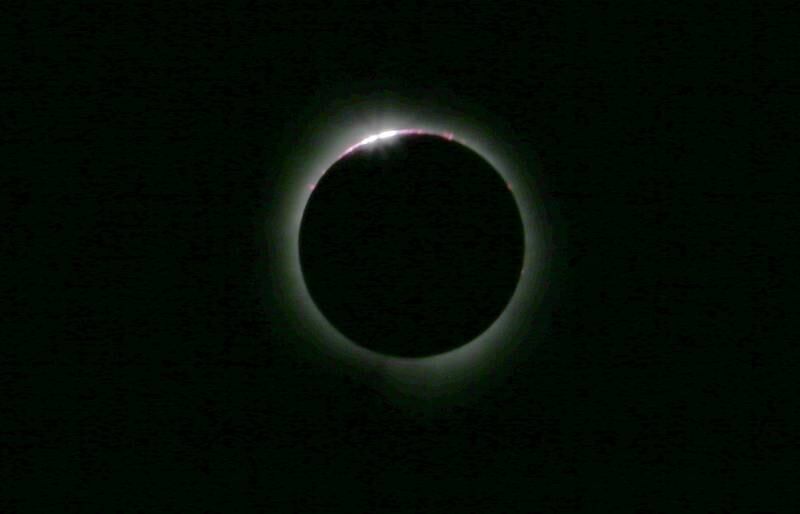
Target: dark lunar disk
pixel 411 246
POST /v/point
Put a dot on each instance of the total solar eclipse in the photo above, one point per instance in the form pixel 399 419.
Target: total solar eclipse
pixel 411 244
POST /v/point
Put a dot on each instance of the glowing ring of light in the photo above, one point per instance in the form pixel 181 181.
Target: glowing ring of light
pixel 427 376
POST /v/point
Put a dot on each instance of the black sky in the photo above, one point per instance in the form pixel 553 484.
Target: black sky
pixel 158 374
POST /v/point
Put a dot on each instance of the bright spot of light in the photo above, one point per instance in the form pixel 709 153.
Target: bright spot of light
pixel 387 134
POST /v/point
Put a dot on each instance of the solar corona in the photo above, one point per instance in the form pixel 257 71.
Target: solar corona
pixel 344 285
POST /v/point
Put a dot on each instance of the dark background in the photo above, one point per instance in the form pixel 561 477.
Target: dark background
pixel 149 369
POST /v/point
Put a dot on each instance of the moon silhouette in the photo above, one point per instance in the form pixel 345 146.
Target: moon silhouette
pixel 411 244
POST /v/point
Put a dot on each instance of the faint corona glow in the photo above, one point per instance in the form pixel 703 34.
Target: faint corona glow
pixel 369 123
